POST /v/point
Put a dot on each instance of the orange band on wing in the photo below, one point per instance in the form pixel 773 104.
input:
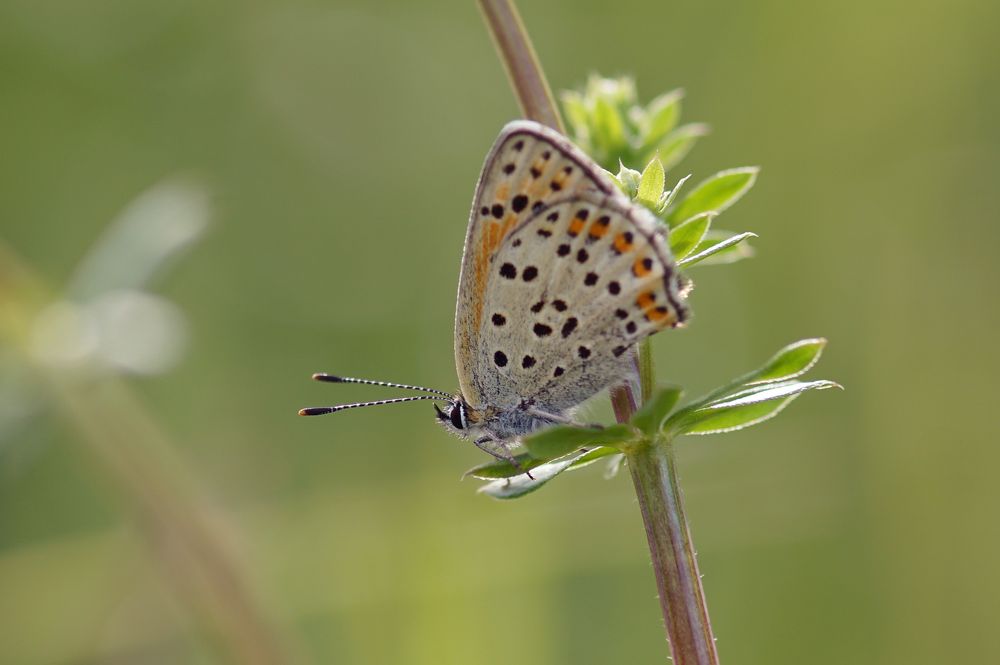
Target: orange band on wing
pixel 623 243
pixel 492 237
pixel 646 300
pixel 599 227
pixel 660 315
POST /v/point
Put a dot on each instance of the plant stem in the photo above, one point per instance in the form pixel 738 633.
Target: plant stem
pixel 682 599
pixel 181 532
pixel 519 59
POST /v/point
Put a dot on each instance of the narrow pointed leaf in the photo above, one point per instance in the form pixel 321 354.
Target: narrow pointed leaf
pixel 767 392
pixel 687 236
pixel 677 144
pixel 710 252
pixel 753 406
pixel 511 488
pixel 555 442
pixel 742 409
pixel 716 193
pixel 592 456
pixel 792 361
pixel 648 418
pixel 736 418
pixel 503 468
pixel 662 115
pixel 668 199
pixel 609 132
pixel 651 184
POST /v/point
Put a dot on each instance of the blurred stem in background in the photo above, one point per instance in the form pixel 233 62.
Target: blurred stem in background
pixel 39 330
pixel 682 598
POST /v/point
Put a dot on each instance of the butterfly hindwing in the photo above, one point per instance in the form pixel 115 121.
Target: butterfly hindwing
pixel 571 290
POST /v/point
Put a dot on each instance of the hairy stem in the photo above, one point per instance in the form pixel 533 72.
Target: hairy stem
pixel 519 59
pixel 682 599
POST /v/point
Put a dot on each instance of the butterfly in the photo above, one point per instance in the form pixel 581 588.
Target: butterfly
pixel 562 275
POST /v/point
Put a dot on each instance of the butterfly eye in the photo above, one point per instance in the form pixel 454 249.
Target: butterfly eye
pixel 458 415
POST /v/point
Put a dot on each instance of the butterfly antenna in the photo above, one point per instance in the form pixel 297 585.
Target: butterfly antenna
pixel 330 378
pixel 323 410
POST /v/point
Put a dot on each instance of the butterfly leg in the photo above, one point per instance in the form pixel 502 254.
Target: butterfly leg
pixel 555 418
pixel 500 450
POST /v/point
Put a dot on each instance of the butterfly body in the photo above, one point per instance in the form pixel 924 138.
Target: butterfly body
pixel 492 423
pixel 562 275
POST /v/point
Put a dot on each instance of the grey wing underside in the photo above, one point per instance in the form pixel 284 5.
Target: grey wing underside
pixel 530 166
pixel 571 290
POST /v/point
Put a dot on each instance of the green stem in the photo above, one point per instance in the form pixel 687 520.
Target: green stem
pixel 681 596
pixel 646 376
pixel 519 59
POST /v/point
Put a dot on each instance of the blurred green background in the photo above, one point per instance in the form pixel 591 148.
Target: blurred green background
pixel 339 144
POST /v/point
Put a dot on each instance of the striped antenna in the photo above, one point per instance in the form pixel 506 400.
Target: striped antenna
pixel 323 410
pixel 330 378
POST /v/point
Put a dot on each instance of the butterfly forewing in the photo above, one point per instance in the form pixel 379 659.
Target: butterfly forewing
pixel 562 274
pixel 529 167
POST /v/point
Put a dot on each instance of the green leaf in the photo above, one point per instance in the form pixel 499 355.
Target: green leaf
pixel 511 488
pixel 629 180
pixel 669 197
pixel 790 362
pixel 651 183
pixel 503 468
pixel 713 251
pixel 519 485
pixel 648 418
pixel 753 397
pixel 608 130
pixel 749 407
pixel 592 456
pixel 662 115
pixel 554 442
pixel 736 418
pixel 677 144
pixel 685 237
pixel 765 392
pixel 716 193
pixel 794 360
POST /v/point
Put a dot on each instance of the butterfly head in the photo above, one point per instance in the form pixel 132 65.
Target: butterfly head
pixel 459 418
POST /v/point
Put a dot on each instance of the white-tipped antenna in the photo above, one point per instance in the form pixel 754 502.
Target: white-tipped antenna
pixel 323 410
pixel 330 378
